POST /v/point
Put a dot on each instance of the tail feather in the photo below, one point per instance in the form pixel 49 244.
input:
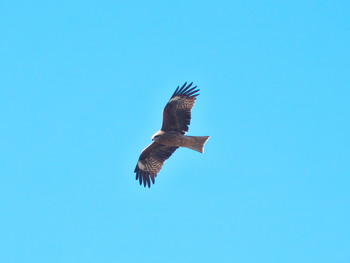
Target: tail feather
pixel 197 143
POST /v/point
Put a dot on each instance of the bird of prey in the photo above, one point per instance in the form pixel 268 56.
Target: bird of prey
pixel 176 118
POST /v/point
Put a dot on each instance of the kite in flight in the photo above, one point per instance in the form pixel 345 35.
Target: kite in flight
pixel 176 118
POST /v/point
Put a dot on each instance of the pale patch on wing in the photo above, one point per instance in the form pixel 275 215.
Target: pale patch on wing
pixel 141 166
pixel 175 98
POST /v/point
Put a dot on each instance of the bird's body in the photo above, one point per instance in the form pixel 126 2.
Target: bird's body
pixel 174 138
pixel 176 118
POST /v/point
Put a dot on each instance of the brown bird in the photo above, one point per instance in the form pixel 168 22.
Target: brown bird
pixel 176 118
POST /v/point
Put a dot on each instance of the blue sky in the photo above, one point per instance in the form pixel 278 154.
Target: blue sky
pixel 83 86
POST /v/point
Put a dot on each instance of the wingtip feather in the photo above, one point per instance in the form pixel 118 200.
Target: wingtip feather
pixel 186 90
pixel 144 178
pixel 182 88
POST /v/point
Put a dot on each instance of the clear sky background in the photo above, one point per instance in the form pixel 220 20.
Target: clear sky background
pixel 82 89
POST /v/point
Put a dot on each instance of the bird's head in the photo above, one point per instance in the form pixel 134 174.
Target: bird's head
pixel 157 135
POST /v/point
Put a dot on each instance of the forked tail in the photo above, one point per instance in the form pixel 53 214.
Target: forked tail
pixel 197 143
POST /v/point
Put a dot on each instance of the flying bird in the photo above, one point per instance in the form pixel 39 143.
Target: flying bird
pixel 176 118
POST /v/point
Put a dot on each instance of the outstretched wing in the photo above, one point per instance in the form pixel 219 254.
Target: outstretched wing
pixel 177 113
pixel 151 161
